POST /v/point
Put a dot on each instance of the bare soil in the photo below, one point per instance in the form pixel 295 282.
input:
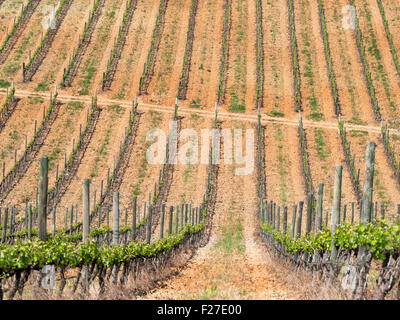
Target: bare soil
pixel 94 62
pixel 30 38
pixel 163 86
pixel 284 180
pixel 141 176
pixel 316 95
pixel 278 76
pixel 325 152
pixel 348 68
pixel 380 59
pixel 9 10
pixel 66 40
pixel 204 70
pixel 58 142
pixel 386 188
pixel 20 124
pixel 134 55
pixel 234 264
pixel 99 156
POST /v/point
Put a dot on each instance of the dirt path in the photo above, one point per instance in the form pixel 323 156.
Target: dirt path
pixel 234 264
pixel 221 115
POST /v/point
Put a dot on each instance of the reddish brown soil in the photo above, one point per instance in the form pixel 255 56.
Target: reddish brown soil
pixel 66 40
pixel 9 10
pixel 21 123
pixel 167 70
pixel 386 188
pixel 389 98
pixel 284 180
pixel 225 270
pixel 134 55
pixel 188 185
pixel 97 54
pixel 58 141
pixel 278 77
pixel 325 152
pixel 392 8
pixel 348 68
pixel 204 70
pixel 234 264
pixel 317 100
pixel 98 157
pixel 241 74
pixel 28 41
pixel 141 176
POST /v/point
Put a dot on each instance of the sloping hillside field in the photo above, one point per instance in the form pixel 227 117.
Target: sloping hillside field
pixel 192 149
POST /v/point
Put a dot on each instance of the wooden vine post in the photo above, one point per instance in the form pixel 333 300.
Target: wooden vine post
pixel 85 209
pixel 368 183
pixel 310 200
pixel 299 217
pixel 162 221
pixel 30 214
pixel 364 256
pixel 337 192
pixel 148 229
pixel 177 219
pixel 133 232
pixel 43 189
pixel 53 224
pixel 171 212
pixel 284 222
pixel 115 218
pixel 86 229
pixel 293 221
pixel 318 218
pixel 4 230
